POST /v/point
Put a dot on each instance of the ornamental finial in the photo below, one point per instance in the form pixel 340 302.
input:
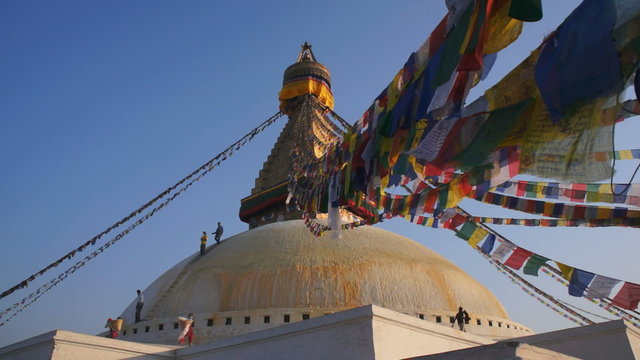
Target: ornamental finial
pixel 306 54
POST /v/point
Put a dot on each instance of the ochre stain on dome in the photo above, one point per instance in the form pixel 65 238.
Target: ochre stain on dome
pixel 282 265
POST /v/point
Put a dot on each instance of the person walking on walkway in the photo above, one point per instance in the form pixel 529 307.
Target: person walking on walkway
pixel 219 232
pixel 203 242
pixel 461 318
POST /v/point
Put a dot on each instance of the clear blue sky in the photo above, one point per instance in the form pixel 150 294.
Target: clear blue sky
pixel 104 104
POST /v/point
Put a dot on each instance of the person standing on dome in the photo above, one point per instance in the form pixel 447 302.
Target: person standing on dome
pixel 461 318
pixel 203 242
pixel 139 305
pixel 219 232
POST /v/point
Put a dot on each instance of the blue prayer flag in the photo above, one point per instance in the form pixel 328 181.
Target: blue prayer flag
pixel 487 246
pixel 580 279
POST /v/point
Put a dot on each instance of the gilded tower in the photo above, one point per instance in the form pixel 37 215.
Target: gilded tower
pixel 267 202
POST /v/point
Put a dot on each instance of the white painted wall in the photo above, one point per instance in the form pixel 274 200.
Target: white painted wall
pixel 67 345
pixel 346 339
pixel 492 328
pixel 37 347
pixel 397 336
pixel 367 332
pixel 363 333
pixel 507 350
pixel 610 340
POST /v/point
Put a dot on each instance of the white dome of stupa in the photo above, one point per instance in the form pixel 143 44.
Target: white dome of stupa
pixel 280 273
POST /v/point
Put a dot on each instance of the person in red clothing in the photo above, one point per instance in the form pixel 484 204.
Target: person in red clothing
pixel 114 327
pixel 189 335
pixel 186 324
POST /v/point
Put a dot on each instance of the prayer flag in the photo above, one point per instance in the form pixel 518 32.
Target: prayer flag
pixel 534 264
pixel 477 236
pixel 580 279
pixel 601 287
pixel 493 131
pixel 628 297
pixel 566 270
pixel 503 29
pixel 467 230
pixel 503 249
pixel 487 245
pixel 579 61
pixel 517 258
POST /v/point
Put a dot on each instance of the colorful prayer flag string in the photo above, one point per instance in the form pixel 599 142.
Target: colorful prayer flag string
pixel 573 192
pixel 624 222
pixel 559 210
pixel 541 297
pixel 612 309
pixel 581 281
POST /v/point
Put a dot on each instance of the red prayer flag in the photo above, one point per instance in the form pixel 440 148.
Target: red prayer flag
pixel 518 258
pixel 455 221
pixel 438 36
pixel 430 201
pixel 628 297
pixel 579 211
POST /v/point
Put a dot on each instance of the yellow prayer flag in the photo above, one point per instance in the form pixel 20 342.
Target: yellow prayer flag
pixel 393 90
pixel 564 149
pixel 456 192
pixel 604 189
pixel 384 182
pixel 518 85
pixel 502 29
pixel 548 208
pixel 566 270
pixel 633 214
pixel 470 30
pixel 604 213
pixel 407 205
pixel 352 141
pixel 625 155
pixel 386 144
pixel 418 168
pixel 477 236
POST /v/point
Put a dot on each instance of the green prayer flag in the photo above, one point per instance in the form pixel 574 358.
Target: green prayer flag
pixel 451 49
pixel 473 41
pixel 531 190
pixel 491 134
pixel 468 228
pixel 443 195
pixel 533 264
pixel 402 164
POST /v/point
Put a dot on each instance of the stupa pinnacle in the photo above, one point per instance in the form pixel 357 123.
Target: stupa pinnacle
pixel 266 204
